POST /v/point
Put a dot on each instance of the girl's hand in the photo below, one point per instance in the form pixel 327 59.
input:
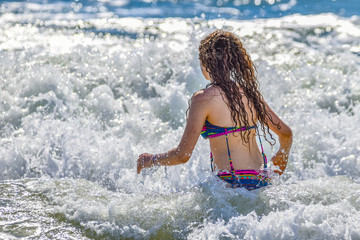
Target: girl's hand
pixel 280 160
pixel 144 161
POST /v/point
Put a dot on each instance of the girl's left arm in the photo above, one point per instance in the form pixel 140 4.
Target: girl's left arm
pixel 198 112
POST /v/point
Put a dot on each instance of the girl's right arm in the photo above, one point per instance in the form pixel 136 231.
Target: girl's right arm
pixel 284 133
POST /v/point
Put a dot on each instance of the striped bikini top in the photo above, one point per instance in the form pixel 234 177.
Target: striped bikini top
pixel 210 131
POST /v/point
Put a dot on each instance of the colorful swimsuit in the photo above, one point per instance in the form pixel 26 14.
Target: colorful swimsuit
pixel 249 179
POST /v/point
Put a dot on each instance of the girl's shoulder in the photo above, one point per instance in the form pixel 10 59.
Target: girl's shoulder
pixel 211 91
pixel 208 94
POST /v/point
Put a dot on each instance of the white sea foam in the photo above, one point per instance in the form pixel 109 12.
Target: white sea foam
pixel 82 98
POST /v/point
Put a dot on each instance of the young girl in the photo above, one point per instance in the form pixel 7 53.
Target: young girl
pixel 228 112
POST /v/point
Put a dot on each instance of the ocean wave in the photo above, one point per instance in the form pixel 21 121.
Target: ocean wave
pixel 82 98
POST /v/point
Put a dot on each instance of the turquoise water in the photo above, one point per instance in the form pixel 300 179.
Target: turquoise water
pixel 86 86
pixel 208 9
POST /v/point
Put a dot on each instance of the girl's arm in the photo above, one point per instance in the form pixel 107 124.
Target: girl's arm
pixel 280 159
pixel 198 112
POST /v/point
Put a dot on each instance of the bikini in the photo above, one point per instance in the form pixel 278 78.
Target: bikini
pixel 246 178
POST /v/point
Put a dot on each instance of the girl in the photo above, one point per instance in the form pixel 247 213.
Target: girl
pixel 228 112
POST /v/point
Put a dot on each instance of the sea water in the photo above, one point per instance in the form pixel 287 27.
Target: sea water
pixel 87 86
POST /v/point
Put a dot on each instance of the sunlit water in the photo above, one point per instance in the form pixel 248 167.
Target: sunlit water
pixel 84 90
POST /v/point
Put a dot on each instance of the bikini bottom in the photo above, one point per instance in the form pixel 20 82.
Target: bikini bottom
pixel 249 179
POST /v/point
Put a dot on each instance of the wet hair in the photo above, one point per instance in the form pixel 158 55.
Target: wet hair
pixel 230 67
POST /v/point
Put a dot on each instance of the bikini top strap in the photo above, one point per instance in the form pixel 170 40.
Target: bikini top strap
pixel 228 148
pixel 262 149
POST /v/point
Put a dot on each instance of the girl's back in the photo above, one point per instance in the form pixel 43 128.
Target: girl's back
pixel 243 155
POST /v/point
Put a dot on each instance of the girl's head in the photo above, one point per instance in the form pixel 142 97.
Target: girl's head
pixel 224 58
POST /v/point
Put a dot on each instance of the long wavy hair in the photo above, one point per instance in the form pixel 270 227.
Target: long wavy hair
pixel 230 67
